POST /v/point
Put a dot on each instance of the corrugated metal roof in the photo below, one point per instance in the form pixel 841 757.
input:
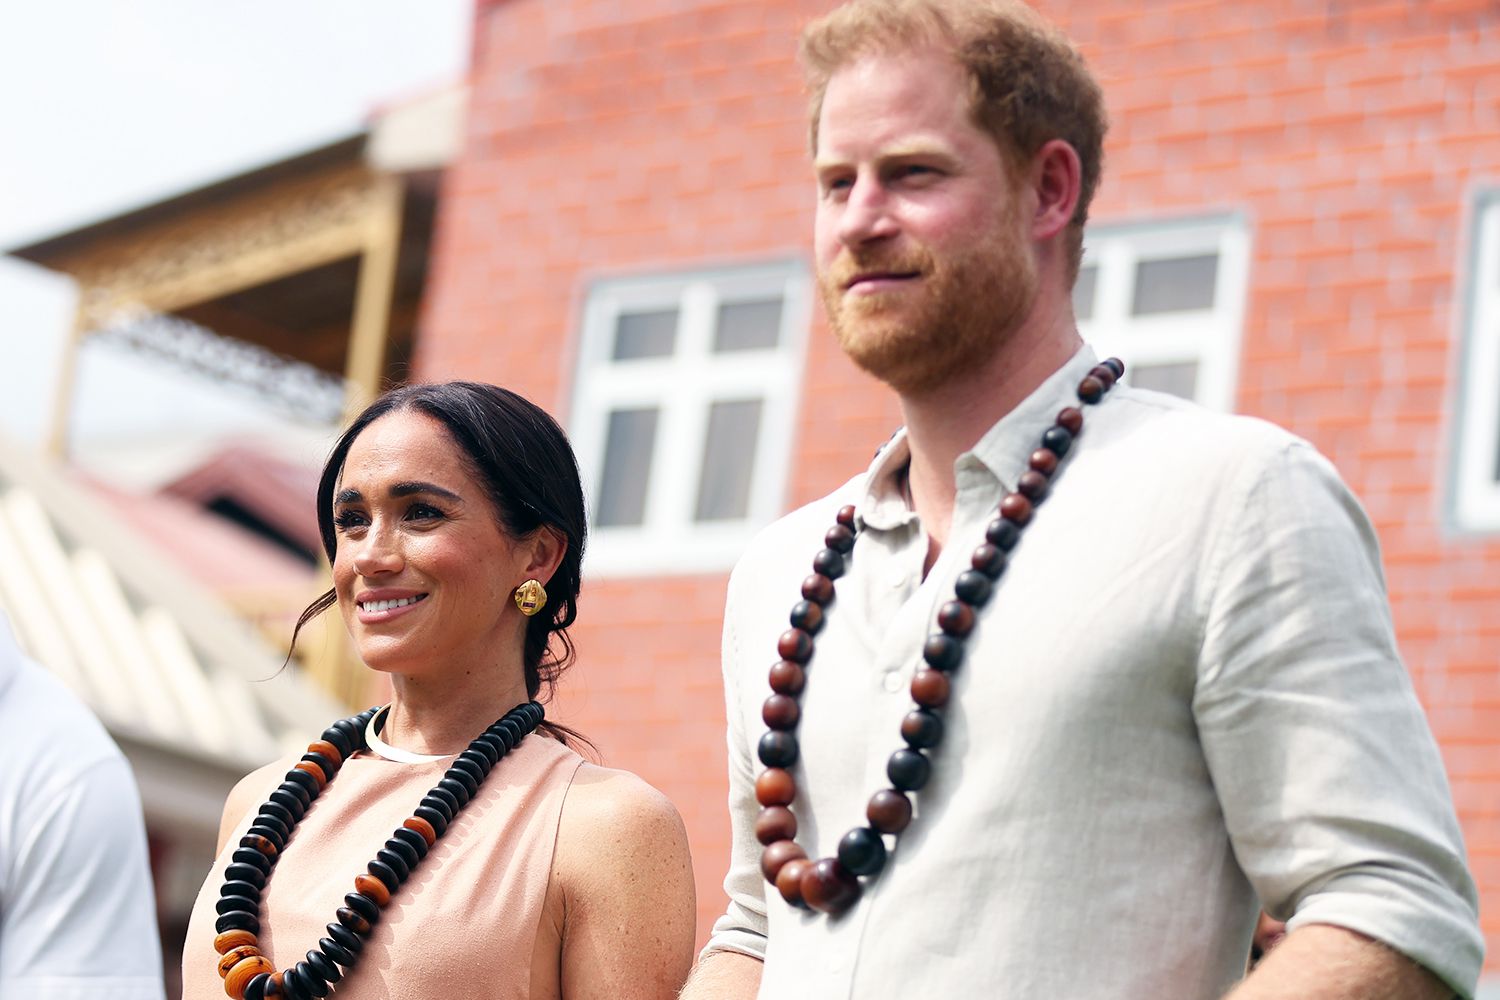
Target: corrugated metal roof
pixel 153 653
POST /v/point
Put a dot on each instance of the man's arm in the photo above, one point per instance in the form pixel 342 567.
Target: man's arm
pixel 1320 962
pixel 723 975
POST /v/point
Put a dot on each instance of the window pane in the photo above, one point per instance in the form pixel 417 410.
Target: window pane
pixel 728 460
pixel 1175 285
pixel 629 445
pixel 1179 379
pixel 645 335
pixel 748 326
pixel 1083 293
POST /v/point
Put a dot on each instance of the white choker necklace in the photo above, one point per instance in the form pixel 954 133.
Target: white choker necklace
pixel 381 748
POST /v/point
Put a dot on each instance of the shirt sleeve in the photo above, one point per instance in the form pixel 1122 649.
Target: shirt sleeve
pixel 742 928
pixel 1331 784
pixel 78 918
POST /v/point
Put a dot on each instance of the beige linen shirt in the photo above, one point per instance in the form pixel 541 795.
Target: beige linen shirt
pixel 1183 702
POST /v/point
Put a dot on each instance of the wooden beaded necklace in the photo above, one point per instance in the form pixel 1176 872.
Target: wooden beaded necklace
pixel 832 885
pixel 248 974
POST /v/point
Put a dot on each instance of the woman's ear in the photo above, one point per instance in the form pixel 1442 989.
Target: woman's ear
pixel 548 546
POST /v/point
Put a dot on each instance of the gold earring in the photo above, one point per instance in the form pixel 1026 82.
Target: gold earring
pixel 531 597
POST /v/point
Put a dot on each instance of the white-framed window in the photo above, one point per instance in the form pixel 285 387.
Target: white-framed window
pixel 1477 472
pixel 683 413
pixel 1168 299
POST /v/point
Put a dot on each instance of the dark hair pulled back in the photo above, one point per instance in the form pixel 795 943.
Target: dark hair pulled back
pixel 523 459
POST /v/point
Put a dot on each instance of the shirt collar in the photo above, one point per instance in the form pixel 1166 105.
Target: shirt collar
pixel 1003 450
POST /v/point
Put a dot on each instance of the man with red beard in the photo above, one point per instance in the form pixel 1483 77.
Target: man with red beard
pixel 1119 672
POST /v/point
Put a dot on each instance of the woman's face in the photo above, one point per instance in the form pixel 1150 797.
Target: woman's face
pixel 423 570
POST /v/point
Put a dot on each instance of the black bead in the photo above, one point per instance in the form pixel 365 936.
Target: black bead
pixel 250 857
pixel 488 747
pixel 462 769
pixel 279 811
pixel 363 905
pixel 395 862
pixel 862 851
pixel 311 981
pixel 326 765
pixel 839 538
pixel 908 770
pixel 989 560
pixel 385 873
pixel 307 781
pixel 1057 440
pixel 340 741
pixel 973 587
pixel 291 803
pixel 320 964
pixel 337 952
pixel 447 802
pixel 1002 534
pixel 922 728
pixel 942 652
pixel 296 789
pixel 431 815
pixel 807 616
pixel 245 873
pixel 255 989
pixel 272 834
pixel 353 920
pixel 242 904
pixel 504 735
pixel 516 728
pixel 412 839
pixel 778 749
pixel 830 563
pixel 407 853
pixel 479 759
pixel 457 787
pixel 293 985
pixel 347 939
pixel 237 920
pixel 239 887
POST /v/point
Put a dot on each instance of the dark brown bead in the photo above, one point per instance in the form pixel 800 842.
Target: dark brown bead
pixel 1070 419
pixel 1032 485
pixel 808 616
pixel 839 538
pixel 1104 374
pixel 889 811
pixel 818 587
pixel 789 880
pixel 256 842
pixel 989 560
pixel 780 712
pixel 795 645
pixel 829 887
pixel 957 618
pixel 1043 461
pixel 775 823
pixel 1090 389
pixel 787 677
pixel 777 854
pixel 1016 508
pixel 1115 365
pixel 930 688
pixel 846 516
pixel 775 787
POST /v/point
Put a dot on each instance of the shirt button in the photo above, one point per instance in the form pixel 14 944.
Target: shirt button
pixel 892 681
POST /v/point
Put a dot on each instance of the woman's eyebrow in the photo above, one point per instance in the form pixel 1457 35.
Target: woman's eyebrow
pixel 406 489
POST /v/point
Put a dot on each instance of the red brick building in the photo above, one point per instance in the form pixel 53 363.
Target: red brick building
pixel 1300 219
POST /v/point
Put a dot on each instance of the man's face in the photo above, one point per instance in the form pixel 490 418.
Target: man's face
pixel 923 261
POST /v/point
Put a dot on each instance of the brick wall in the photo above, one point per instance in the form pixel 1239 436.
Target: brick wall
pixel 610 137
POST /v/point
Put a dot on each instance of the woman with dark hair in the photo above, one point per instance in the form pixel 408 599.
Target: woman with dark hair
pixel 451 842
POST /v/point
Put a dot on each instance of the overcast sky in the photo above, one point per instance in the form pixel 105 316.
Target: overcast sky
pixel 107 105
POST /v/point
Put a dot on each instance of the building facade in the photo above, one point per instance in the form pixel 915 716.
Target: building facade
pixel 1299 220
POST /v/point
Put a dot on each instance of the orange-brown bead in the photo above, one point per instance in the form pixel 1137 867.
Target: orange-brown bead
pixel 789 880
pixel 775 787
pixel 787 677
pixel 233 957
pixel 248 968
pixel 775 823
pixel 327 750
pixel 308 767
pixel 230 940
pixel 423 827
pixel 930 688
pixel 777 854
pixel 259 843
pixel 828 887
pixel 369 885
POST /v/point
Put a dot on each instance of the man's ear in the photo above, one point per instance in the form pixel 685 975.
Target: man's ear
pixel 1056 181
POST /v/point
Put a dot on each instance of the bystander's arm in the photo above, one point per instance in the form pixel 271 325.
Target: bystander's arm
pixel 723 975
pixel 1322 962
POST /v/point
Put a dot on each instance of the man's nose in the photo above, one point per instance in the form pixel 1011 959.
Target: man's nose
pixel 867 213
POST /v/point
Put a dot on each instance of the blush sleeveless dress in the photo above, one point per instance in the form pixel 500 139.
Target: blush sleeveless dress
pixel 463 925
